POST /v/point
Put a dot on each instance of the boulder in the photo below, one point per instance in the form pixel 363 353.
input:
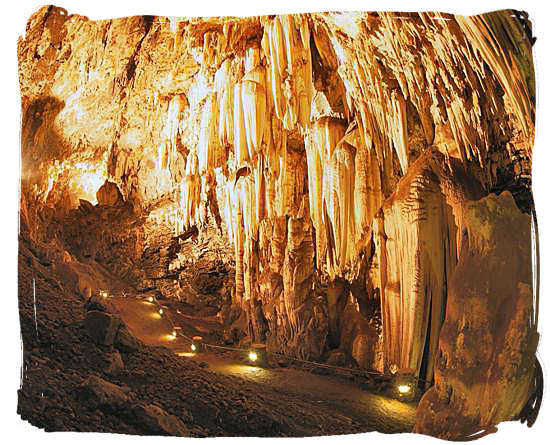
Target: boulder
pixel 337 358
pixel 125 340
pixel 95 303
pixel 360 351
pixel 114 363
pixel 85 206
pixel 158 421
pixel 98 393
pixel 101 327
pixel 109 195
pixel 367 351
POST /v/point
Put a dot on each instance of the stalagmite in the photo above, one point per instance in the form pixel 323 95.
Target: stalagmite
pixel 416 235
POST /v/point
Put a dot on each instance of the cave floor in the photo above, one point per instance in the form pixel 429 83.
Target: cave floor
pixel 212 393
pixel 346 401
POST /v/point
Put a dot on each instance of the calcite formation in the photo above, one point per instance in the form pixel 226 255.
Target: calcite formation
pixel 349 161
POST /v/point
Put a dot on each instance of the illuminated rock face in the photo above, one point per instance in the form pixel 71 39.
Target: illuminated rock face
pixel 339 155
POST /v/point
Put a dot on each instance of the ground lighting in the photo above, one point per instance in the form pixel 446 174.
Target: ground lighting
pixel 257 354
pixel 196 344
pixel 404 389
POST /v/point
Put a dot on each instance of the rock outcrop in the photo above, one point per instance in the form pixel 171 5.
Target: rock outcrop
pixel 486 361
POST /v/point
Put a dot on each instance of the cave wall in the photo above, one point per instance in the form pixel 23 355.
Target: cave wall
pixel 485 364
pixel 335 152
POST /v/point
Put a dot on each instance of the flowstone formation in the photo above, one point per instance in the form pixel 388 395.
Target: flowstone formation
pixel 359 180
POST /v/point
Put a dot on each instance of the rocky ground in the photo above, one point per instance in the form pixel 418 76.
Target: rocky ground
pixel 84 371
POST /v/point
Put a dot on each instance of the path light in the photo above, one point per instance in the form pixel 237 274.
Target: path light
pixel 404 389
pixel 161 311
pixel 257 354
pixel 406 385
pixel 175 331
pixel 150 299
pixel 196 345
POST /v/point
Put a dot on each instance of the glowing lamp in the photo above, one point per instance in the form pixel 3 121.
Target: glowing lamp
pixel 150 299
pixel 257 354
pixel 404 389
pixel 196 343
pixel 161 311
pixel 104 294
pixel 175 331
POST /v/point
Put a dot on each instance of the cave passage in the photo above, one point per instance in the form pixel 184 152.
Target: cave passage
pixel 315 205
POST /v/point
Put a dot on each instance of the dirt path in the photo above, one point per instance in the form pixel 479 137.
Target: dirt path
pixel 345 401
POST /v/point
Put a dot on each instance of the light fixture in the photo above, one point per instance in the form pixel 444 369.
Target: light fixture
pixel 161 311
pixel 404 389
pixel 252 356
pixel 174 333
pixel 104 294
pixel 196 343
pixel 150 299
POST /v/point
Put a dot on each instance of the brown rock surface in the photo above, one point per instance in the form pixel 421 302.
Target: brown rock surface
pixel 159 422
pixel 102 327
pixel 486 359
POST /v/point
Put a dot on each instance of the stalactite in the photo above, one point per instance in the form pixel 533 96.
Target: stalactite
pixel 210 153
pixel 253 102
pixel 240 143
pixel 489 34
pixel 368 196
pixel 286 46
pixel 320 144
pixel 399 130
pixel 224 89
pixel 170 132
